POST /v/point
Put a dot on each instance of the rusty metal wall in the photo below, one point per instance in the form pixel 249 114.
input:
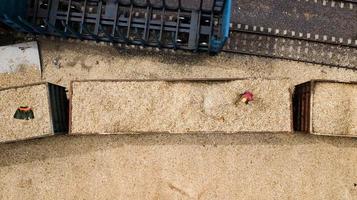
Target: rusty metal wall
pixel 59 108
pixel 301 107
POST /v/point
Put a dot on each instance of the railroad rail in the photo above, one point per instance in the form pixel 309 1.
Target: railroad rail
pixel 294 35
pixel 349 1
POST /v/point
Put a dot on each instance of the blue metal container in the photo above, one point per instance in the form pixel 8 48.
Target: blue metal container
pixel 203 28
pixel 13 8
pixel 217 44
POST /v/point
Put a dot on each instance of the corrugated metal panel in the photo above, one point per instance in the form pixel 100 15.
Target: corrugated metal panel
pixel 301 107
pixel 59 108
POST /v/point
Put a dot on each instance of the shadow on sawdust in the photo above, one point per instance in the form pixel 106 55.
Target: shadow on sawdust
pixel 67 145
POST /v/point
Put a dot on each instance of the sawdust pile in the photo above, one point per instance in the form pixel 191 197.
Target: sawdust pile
pixel 11 99
pixel 335 109
pixel 180 107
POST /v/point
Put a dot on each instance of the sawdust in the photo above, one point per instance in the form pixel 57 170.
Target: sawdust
pixel 80 61
pixel 24 75
pixel 159 166
pixel 180 166
pixel 180 107
pixel 14 129
pixel 108 62
pixel 335 109
pixel 86 60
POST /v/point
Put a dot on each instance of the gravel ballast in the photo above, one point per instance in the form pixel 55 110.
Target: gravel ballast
pixel 179 107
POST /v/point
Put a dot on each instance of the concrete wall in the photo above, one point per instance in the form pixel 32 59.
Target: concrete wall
pixel 35 97
pixel 335 109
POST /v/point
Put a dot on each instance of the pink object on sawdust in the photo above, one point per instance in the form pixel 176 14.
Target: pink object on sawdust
pixel 247 97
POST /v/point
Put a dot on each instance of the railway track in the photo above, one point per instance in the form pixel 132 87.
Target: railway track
pixel 271 29
pixel 315 20
pixel 266 45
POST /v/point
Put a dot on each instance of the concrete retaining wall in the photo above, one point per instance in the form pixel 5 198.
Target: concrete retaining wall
pixel 44 118
pixel 334 109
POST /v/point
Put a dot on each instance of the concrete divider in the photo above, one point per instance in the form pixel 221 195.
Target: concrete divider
pixel 32 111
pixel 179 106
pixel 324 107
